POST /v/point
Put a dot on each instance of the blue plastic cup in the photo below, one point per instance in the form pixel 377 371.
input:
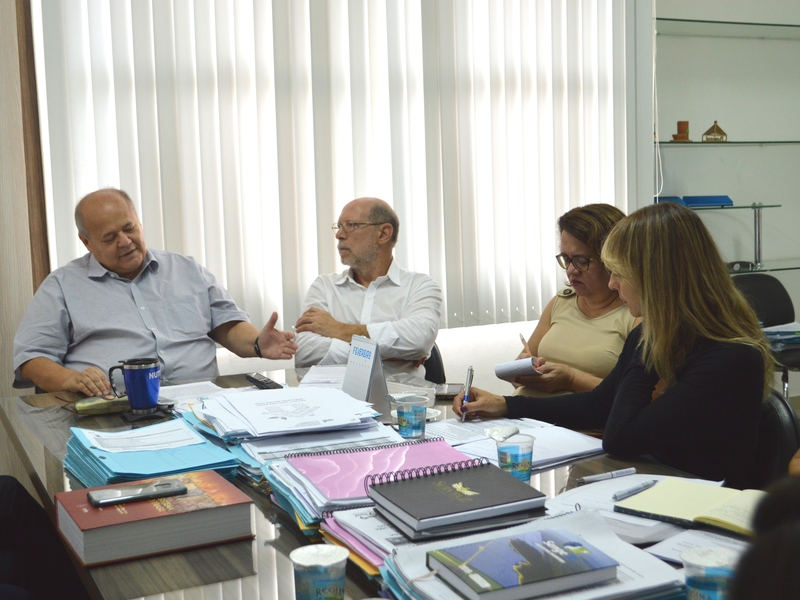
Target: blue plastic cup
pixel 411 414
pixel 514 455
pixel 142 383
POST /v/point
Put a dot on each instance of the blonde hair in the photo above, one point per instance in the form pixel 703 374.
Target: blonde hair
pixel 666 253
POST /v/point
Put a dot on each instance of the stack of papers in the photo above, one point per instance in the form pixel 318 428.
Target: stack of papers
pixel 99 457
pixel 784 337
pixel 364 532
pixel 261 414
pixel 325 481
pixel 639 574
pixel 554 446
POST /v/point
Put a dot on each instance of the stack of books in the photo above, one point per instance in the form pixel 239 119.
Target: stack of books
pixel 212 511
pixel 313 483
pixel 98 458
pixel 612 569
pixel 448 501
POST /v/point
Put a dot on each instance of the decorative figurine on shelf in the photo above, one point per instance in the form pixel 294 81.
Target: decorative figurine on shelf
pixel 683 132
pixel 715 134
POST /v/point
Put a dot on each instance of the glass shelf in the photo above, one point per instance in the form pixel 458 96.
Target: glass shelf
pixel 788 264
pixel 747 206
pixel 669 144
pixel 691 27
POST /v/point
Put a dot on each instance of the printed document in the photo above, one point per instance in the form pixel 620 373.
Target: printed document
pixel 163 436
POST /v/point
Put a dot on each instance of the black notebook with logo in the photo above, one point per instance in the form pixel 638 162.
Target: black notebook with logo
pixel 461 493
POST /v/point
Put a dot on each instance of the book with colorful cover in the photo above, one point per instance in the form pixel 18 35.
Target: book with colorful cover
pixel 212 511
pixel 524 565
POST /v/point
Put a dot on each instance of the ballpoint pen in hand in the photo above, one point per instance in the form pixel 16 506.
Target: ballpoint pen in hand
pixel 525 344
pixel 467 385
pixel 634 490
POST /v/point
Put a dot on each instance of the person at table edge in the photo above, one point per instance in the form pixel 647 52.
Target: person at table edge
pixel 374 298
pixel 688 385
pixel 123 300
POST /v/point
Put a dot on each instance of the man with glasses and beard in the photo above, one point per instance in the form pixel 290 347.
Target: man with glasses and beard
pixel 374 297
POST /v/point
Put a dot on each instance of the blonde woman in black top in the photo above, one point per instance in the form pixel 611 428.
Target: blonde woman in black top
pixel 689 383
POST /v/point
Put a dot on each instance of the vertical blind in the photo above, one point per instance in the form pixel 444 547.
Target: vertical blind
pixel 241 128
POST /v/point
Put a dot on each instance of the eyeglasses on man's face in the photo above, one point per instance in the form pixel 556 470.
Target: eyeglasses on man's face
pixel 581 263
pixel 351 226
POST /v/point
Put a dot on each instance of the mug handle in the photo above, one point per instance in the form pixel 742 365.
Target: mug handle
pixel 111 380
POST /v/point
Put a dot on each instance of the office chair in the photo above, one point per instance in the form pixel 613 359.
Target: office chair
pixel 773 306
pixel 434 366
pixel 778 440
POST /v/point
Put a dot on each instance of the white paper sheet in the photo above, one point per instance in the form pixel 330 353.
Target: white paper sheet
pixel 670 549
pixel 172 434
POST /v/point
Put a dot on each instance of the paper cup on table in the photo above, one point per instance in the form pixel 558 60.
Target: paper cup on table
pixel 514 456
pixel 708 572
pixel 319 572
pixel 411 414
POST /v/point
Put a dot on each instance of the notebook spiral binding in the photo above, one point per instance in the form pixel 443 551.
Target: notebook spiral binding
pixel 407 474
pixel 364 449
pixel 327 514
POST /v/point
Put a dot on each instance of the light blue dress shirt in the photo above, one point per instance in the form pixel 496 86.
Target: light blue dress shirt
pixel 84 315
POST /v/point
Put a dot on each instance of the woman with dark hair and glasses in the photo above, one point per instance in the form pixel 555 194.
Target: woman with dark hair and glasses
pixel 582 330
pixel 688 386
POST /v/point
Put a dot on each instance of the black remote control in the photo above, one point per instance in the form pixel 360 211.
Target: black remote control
pixel 262 382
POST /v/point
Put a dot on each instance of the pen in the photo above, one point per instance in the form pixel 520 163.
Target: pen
pixel 467 385
pixel 603 476
pixel 634 490
pixel 525 344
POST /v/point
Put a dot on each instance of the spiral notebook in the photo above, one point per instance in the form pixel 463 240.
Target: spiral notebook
pixel 340 474
pixel 464 493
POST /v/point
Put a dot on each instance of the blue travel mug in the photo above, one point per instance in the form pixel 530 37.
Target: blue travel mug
pixel 142 383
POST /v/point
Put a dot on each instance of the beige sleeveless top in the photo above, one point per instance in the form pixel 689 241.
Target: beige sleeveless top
pixel 591 345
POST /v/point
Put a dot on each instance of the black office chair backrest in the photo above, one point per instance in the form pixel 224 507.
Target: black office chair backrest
pixel 434 366
pixel 778 440
pixel 767 296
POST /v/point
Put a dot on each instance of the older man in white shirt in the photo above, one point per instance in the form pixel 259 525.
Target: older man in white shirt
pixel 373 298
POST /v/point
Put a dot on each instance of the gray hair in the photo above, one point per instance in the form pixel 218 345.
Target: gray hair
pixel 381 212
pixel 79 207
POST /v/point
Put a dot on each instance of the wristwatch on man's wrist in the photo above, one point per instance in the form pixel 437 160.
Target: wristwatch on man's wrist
pixel 257 349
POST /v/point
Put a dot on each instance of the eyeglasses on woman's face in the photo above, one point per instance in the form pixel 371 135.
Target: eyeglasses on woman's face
pixel 581 263
pixel 350 226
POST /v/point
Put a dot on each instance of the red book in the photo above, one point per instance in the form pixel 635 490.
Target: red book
pixel 212 511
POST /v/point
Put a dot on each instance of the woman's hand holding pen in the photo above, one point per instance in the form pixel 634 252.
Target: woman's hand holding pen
pixel 555 377
pixel 481 404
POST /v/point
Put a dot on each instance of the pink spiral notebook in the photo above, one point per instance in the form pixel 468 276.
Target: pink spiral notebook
pixel 340 475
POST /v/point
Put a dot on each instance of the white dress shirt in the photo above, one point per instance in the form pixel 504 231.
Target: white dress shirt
pixel 400 309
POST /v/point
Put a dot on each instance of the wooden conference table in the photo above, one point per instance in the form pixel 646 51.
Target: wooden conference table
pixel 38 427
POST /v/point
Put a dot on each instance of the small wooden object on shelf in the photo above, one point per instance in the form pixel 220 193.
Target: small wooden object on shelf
pixel 683 132
pixel 715 134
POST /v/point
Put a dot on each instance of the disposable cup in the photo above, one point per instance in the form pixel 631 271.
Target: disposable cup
pixel 708 572
pixel 514 456
pixel 319 572
pixel 411 413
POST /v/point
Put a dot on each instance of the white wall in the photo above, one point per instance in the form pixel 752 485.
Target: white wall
pixel 751 87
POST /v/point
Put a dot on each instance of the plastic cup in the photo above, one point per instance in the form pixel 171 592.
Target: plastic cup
pixel 708 572
pixel 514 456
pixel 319 572
pixel 411 414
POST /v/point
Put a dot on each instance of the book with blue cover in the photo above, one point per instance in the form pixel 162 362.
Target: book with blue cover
pixel 524 565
